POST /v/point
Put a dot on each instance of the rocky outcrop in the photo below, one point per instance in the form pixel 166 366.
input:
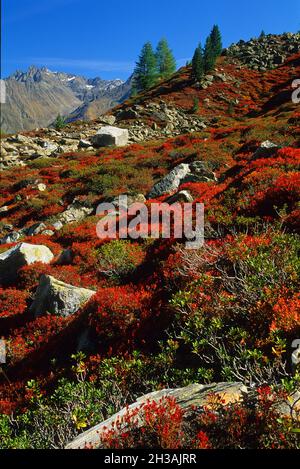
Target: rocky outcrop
pixel 74 213
pixel 266 52
pixel 151 121
pixel 154 120
pixel 18 256
pixel 58 298
pixel 192 172
pixel 192 395
pixel 18 150
pixel 110 136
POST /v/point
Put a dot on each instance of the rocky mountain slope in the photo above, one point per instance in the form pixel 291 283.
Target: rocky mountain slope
pixel 36 97
pixel 266 52
pixel 92 324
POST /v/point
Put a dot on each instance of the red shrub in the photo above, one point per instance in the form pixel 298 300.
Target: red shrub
pixel 33 336
pixel 117 309
pixel 287 313
pixel 12 302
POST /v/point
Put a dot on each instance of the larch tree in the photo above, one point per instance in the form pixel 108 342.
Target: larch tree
pixel 166 64
pixel 209 56
pixel 145 73
pixel 198 64
pixel 216 40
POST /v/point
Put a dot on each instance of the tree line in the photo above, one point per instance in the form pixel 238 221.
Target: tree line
pixel 204 60
pixel 155 65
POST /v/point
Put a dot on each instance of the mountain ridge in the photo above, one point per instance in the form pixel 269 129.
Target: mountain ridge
pixel 37 96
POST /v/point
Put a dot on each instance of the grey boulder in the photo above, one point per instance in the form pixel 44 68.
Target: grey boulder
pixel 20 255
pixel 192 395
pixel 110 136
pixel 265 150
pixel 58 298
pixel 183 173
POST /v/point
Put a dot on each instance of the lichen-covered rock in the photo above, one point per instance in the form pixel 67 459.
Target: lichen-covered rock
pixel 192 395
pixel 18 256
pixel 58 298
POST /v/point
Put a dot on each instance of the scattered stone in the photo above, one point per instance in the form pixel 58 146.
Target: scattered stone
pixel 58 298
pixel 18 139
pixel 10 238
pixel 199 172
pixel 170 182
pixel 8 227
pixel 128 114
pixel 131 199
pixel 265 52
pixel 41 187
pixel 35 229
pixel 75 212
pixel 57 225
pixel 110 120
pixel 48 233
pixel 265 150
pixel 18 256
pixel 192 172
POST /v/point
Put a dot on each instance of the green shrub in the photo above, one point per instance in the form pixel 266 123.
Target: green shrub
pixel 118 258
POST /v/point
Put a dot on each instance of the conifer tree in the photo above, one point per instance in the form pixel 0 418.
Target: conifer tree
pixel 166 64
pixel 145 73
pixel 216 40
pixel 198 64
pixel 209 55
pixel 60 122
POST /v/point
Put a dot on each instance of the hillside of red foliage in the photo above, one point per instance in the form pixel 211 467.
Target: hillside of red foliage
pixel 159 300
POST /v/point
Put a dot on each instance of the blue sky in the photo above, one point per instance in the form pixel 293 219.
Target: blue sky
pixel 103 38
